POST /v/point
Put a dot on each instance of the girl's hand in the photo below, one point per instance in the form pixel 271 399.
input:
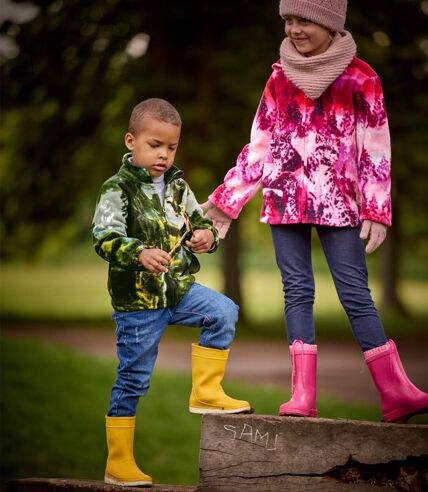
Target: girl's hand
pixel 201 241
pixel 221 221
pixel 377 234
pixel 155 260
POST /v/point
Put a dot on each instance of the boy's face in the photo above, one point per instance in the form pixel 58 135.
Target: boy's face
pixel 154 146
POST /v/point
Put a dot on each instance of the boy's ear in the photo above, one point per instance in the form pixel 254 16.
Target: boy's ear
pixel 129 141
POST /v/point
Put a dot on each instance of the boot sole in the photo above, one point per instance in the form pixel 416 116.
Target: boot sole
pixel 218 411
pixel 291 413
pixel 404 418
pixel 137 483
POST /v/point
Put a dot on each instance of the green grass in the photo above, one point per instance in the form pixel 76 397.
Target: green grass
pixel 55 291
pixel 52 416
pixel 77 292
pixel 53 403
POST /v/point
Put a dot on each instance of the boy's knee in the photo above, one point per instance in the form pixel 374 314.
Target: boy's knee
pixel 220 324
pixel 230 318
pixel 222 310
pixel 230 312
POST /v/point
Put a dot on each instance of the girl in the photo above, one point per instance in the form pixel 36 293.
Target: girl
pixel 320 149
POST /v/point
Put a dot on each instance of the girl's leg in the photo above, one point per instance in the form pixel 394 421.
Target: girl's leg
pixel 345 255
pixel 293 256
pixel 138 334
pixel 204 308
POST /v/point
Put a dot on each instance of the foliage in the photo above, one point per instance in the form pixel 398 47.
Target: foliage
pixel 400 56
pixel 67 96
pixel 65 112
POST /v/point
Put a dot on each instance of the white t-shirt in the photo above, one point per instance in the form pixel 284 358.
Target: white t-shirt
pixel 159 183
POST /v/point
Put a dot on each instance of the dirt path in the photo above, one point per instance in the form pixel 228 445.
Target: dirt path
pixel 341 371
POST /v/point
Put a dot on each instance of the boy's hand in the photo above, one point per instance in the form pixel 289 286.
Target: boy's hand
pixel 155 260
pixel 220 220
pixel 377 234
pixel 201 241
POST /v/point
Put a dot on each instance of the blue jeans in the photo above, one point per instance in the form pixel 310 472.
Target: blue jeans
pixel 138 334
pixel 344 251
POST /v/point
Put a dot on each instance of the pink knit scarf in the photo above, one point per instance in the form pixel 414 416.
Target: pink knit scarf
pixel 313 74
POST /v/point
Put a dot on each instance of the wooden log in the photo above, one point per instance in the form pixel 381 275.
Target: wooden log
pixel 269 453
pixel 68 485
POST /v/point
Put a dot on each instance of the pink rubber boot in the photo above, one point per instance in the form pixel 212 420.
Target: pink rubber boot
pixel 400 397
pixel 303 381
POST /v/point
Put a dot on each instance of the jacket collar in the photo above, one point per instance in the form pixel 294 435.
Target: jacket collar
pixel 142 175
pixel 313 74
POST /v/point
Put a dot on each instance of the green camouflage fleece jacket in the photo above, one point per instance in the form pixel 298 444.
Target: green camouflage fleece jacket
pixel 130 217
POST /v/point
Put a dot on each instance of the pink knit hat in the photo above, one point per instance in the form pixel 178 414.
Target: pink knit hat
pixel 327 13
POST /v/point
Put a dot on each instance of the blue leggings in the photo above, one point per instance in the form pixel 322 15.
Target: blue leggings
pixel 344 251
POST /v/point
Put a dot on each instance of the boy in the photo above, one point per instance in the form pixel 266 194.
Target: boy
pixel 148 225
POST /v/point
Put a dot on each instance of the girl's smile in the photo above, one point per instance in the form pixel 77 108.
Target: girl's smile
pixel 299 41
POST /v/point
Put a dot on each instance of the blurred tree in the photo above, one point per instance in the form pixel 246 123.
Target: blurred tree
pixel 68 96
pixel 82 66
pixel 67 84
pixel 392 37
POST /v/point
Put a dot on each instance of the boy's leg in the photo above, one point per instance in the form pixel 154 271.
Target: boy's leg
pixel 217 315
pixel 346 259
pixel 205 308
pixel 292 243
pixel 138 334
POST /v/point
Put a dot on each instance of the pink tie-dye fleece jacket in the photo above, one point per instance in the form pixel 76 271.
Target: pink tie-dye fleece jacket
pixel 323 161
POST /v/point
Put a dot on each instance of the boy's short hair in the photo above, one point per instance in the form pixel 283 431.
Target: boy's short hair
pixel 159 109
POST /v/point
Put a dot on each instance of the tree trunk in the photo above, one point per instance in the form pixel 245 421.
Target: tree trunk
pixel 390 262
pixel 389 272
pixel 231 267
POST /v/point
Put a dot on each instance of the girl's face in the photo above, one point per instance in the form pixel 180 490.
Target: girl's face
pixel 308 38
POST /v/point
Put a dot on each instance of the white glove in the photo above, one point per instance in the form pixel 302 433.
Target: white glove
pixel 220 220
pixel 377 233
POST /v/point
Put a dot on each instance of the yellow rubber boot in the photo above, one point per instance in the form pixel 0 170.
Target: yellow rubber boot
pixel 121 468
pixel 208 367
